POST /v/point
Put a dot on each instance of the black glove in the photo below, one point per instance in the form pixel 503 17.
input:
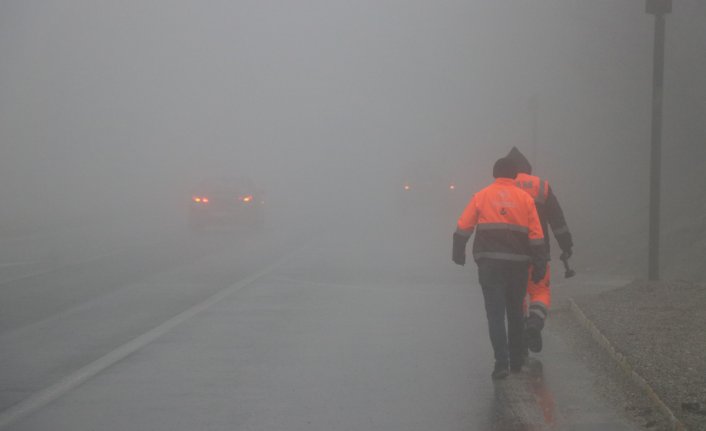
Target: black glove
pixel 458 255
pixel 538 272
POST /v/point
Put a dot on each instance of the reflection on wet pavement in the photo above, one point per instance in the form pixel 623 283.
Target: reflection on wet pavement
pixel 523 402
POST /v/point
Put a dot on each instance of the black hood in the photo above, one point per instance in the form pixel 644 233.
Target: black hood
pixel 505 168
pixel 523 165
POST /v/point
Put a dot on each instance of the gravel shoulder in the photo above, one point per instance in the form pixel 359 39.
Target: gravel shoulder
pixel 661 329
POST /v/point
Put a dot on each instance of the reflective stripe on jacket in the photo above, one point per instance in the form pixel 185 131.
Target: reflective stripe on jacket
pixel 506 224
pixel 535 186
pixel 550 213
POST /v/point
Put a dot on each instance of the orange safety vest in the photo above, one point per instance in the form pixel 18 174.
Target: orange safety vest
pixel 506 222
pixel 535 186
pixel 548 208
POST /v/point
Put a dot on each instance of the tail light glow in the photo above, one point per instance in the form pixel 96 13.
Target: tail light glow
pixel 247 198
pixel 452 187
pixel 200 199
pixel 407 187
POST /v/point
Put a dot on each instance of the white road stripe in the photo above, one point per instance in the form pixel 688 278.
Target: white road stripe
pixel 76 262
pixel 45 396
pixel 55 268
pixel 9 264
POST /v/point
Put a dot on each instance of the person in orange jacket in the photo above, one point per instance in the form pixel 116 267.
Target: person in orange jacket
pixel 509 238
pixel 550 214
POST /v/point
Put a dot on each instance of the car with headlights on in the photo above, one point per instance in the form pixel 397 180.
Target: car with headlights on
pixel 226 202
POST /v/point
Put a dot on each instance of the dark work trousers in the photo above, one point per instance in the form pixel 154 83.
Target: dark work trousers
pixel 504 286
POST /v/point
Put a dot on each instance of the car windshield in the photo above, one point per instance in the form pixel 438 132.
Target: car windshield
pixel 220 186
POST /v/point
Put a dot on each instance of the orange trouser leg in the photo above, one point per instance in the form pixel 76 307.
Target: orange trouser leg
pixel 540 295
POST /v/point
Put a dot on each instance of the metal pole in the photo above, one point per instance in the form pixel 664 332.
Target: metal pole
pixel 659 9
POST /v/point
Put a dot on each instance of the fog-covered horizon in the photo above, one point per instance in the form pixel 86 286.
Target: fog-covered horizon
pixel 108 105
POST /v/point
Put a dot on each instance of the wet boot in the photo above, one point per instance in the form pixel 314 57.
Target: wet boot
pixel 533 333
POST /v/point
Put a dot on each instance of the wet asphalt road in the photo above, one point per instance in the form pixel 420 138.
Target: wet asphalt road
pixel 367 327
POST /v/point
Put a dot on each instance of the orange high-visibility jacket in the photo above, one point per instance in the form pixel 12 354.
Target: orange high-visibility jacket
pixel 507 224
pixel 548 208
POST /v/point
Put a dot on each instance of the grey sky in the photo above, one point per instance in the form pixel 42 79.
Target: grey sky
pixel 133 97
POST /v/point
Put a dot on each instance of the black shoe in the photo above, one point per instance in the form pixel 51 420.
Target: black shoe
pixel 500 372
pixel 533 338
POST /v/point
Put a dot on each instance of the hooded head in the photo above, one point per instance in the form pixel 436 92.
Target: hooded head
pixel 519 159
pixel 505 168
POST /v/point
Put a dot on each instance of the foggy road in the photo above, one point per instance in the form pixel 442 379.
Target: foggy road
pixel 346 137
pixel 373 328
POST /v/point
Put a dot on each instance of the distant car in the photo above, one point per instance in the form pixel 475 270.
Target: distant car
pixel 224 202
pixel 425 192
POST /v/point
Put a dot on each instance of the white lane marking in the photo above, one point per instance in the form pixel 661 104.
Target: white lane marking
pixel 18 333
pixel 22 330
pixel 385 284
pixel 82 261
pixel 55 268
pixel 43 397
pixel 9 264
pixel 295 280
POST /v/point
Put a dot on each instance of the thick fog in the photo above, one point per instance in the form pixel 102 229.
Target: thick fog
pixel 114 110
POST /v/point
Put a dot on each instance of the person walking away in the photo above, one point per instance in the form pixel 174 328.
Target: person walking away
pixel 508 239
pixel 550 214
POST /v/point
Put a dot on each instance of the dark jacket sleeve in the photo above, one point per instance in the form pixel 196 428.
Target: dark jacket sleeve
pixel 458 254
pixel 555 217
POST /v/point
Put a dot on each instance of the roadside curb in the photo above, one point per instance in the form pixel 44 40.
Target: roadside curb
pixel 621 360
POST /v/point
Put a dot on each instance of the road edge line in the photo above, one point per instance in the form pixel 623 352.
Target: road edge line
pixel 624 364
pixel 44 396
